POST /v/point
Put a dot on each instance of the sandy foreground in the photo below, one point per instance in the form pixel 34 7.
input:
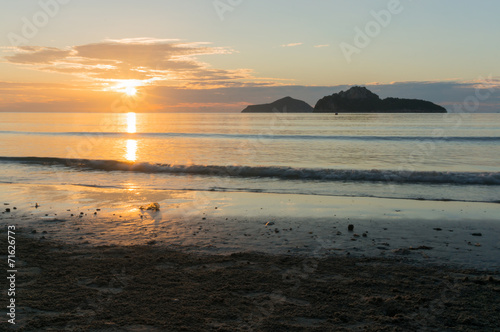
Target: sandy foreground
pixel 64 287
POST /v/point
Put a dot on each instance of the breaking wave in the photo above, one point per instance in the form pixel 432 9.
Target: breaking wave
pixel 278 172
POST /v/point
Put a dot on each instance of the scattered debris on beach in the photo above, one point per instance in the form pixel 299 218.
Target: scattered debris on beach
pixel 151 207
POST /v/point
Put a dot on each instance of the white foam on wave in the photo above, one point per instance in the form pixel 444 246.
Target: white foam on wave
pixel 278 172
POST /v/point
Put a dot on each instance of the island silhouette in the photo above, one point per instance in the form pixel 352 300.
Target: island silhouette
pixel 355 100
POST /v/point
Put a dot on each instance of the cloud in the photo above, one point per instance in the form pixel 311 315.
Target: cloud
pixel 291 44
pixel 37 55
pixel 145 59
pixel 320 46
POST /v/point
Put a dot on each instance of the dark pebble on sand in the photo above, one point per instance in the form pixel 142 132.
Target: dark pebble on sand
pixel 81 212
pixel 5 203
pixel 14 208
pixel 44 232
pixel 203 218
pixel 421 248
pixel 33 231
pixel 477 234
pixel 72 215
pixel 7 210
pixel 98 209
pixel 364 234
pixel 437 229
pixel 350 228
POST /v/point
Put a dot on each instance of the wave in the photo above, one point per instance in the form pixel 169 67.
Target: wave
pixel 261 137
pixel 278 172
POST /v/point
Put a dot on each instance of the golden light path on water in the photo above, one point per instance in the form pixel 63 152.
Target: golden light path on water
pixel 131 151
pixel 131 123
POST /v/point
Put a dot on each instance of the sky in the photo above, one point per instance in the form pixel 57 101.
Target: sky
pixel 221 55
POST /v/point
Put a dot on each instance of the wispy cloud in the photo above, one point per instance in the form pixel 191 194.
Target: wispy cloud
pixel 320 46
pixel 291 44
pixel 146 59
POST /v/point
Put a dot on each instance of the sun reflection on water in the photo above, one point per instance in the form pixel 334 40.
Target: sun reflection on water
pixel 131 123
pixel 131 154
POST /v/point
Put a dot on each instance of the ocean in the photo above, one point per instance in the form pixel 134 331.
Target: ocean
pixel 411 156
pixel 401 167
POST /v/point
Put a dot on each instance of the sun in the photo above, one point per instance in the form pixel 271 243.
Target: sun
pixel 127 87
pixel 130 91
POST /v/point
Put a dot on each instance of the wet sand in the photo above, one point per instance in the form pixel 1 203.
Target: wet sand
pixel 65 287
pixel 93 261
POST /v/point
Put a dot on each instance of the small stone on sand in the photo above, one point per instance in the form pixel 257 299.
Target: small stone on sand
pixel 350 228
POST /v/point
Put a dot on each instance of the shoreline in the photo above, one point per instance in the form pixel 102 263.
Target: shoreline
pixel 441 233
pixel 138 288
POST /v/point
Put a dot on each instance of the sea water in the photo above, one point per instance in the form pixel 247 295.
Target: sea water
pixel 451 157
pixel 275 183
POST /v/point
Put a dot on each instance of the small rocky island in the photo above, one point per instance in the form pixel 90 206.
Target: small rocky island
pixel 361 100
pixel 284 105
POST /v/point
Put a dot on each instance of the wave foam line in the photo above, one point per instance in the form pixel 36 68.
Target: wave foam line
pixel 279 172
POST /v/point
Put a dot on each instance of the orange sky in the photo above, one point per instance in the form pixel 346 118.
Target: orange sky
pixel 101 57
